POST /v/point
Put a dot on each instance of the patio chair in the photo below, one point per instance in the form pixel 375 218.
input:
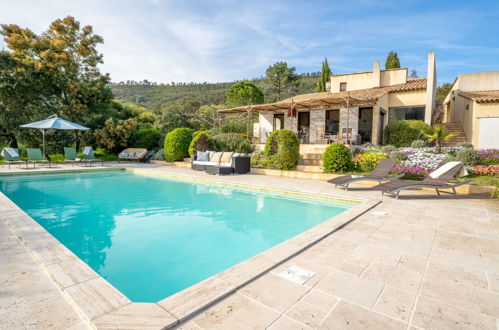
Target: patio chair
pixel 11 156
pixel 89 157
pixel 35 156
pixel 438 179
pixel 71 155
pixel 379 173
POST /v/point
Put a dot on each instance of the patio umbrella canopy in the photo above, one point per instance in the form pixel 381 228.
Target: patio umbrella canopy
pixel 54 122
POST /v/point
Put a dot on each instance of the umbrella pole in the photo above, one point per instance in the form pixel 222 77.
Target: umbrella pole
pixel 43 139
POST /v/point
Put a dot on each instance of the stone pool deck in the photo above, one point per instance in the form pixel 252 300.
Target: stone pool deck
pixel 418 262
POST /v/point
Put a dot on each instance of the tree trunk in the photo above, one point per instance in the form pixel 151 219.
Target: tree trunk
pixel 12 140
pixel 437 146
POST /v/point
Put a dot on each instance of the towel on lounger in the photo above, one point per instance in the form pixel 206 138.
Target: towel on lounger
pixel 447 167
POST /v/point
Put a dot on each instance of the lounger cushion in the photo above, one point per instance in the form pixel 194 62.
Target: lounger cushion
pixel 226 157
pixel 124 155
pixel 203 156
pixel 204 162
pixel 216 157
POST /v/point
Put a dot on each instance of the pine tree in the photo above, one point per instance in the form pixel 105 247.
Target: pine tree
pixel 392 61
pixel 414 73
pixel 325 76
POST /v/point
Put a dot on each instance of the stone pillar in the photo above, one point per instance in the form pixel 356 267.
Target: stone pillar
pixel 352 118
pixel 266 121
pixel 317 119
pixel 431 88
pixel 374 135
pixel 291 123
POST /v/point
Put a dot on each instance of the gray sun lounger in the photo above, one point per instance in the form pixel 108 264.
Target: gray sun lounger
pixel 35 156
pixel 88 156
pixel 11 156
pixel 394 187
pixel 379 173
pixel 71 155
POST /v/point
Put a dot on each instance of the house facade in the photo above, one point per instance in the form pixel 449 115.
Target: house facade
pixel 473 102
pixel 355 110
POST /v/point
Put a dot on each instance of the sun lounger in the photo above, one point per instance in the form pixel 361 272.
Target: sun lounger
pixel 35 156
pixel 88 156
pixel 11 156
pixel 132 154
pixel 379 173
pixel 438 180
pixel 71 155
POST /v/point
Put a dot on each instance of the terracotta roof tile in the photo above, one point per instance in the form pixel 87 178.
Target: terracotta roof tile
pixel 482 96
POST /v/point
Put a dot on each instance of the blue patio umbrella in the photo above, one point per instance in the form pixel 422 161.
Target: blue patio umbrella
pixel 54 122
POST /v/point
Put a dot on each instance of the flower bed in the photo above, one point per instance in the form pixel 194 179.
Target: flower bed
pixel 410 172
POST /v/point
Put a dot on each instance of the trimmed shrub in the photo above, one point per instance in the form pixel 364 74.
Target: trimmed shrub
pixel 57 158
pixel 202 141
pixel 148 138
pixel 337 158
pixel 401 133
pixel 399 155
pixel 367 161
pixel 470 157
pixel 177 144
pixel 418 144
pixel 232 142
pixel 465 145
pixel 282 150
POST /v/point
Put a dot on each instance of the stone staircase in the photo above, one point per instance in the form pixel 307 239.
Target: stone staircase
pixel 310 162
pixel 456 128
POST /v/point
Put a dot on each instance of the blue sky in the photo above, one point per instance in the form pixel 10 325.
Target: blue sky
pixel 219 40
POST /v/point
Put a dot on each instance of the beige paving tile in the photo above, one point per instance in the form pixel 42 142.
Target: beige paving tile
pixel 236 312
pixel 396 303
pixel 320 300
pixel 245 271
pixel 285 323
pixel 71 272
pixel 398 277
pixel 350 316
pixel 274 292
pixel 323 256
pixel 341 245
pixel 96 297
pixel 136 316
pixel 472 298
pixel 433 314
pixel 41 315
pixel 190 300
pixel 306 314
pixel 319 270
pixel 380 254
pixel 351 287
pixel 412 262
pixel 458 274
pixel 493 279
pixel 188 326
pixel 82 325
pixel 51 254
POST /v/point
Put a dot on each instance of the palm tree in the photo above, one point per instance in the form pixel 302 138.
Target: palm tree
pixel 437 134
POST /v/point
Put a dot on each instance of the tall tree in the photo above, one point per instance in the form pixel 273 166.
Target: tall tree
pixel 414 73
pixel 62 63
pixel 282 79
pixel 392 61
pixel 325 76
pixel 244 93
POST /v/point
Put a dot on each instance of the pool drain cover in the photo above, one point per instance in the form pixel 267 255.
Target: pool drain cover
pixel 297 274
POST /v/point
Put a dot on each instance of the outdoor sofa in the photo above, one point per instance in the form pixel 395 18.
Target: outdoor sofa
pixel 132 154
pixel 437 179
pixel 239 163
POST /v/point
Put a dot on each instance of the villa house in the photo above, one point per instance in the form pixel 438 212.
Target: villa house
pixel 355 110
pixel 473 104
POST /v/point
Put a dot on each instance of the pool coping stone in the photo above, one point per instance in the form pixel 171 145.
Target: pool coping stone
pixel 98 302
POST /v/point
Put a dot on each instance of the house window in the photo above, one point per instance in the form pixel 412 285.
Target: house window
pixel 278 121
pixel 343 87
pixel 332 121
pixel 406 113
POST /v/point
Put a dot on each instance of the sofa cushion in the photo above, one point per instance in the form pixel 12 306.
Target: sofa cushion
pixel 226 157
pixel 197 162
pixel 203 156
pixel 216 157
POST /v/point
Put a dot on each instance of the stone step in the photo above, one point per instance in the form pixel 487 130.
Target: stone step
pixel 312 156
pixel 188 160
pixel 182 164
pixel 304 161
pixel 309 168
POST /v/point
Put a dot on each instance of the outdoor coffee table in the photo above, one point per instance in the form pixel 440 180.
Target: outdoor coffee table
pixel 220 170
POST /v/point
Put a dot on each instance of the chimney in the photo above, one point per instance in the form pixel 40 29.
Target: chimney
pixel 431 88
pixel 376 75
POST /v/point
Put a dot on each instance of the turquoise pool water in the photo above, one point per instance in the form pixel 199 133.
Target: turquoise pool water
pixel 150 236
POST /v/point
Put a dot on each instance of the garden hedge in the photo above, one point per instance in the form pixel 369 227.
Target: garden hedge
pixel 282 150
pixel 202 141
pixel 402 133
pixel 148 138
pixel 337 158
pixel 177 144
pixel 232 142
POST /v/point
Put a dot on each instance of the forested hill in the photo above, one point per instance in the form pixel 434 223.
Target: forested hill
pixel 153 96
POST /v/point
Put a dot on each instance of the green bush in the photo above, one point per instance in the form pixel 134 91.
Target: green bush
pixel 177 144
pixel 401 133
pixel 232 142
pixel 57 158
pixel 465 145
pixel 148 138
pixel 282 150
pixel 388 148
pixel 104 155
pixel 337 158
pixel 367 161
pixel 398 155
pixel 469 157
pixel 202 141
pixel 418 144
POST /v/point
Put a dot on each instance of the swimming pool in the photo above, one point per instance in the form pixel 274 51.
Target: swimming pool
pixel 151 236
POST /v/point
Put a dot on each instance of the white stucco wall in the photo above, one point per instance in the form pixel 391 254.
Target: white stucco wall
pixel 266 121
